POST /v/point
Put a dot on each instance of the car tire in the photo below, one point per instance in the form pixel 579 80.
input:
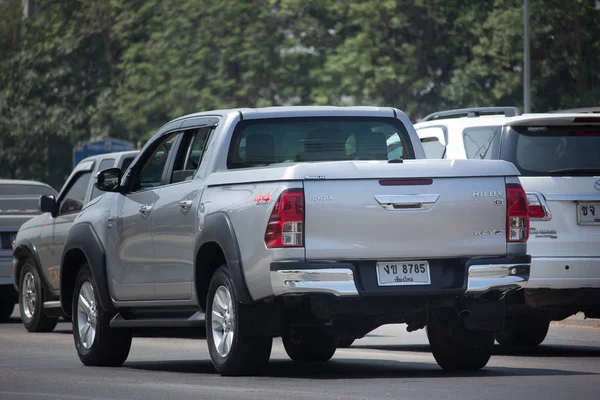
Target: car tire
pixel 96 342
pixel 344 343
pixel 31 301
pixel 456 348
pixel 523 331
pixel 309 344
pixel 231 351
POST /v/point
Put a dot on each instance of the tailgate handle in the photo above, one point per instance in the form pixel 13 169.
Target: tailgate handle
pixel 407 201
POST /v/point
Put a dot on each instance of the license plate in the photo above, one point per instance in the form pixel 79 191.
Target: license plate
pixel 588 213
pixel 403 273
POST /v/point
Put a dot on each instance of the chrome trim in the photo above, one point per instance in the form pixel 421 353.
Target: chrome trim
pixel 52 304
pixel 544 204
pixel 572 196
pixel 407 201
pixel 496 277
pixel 336 281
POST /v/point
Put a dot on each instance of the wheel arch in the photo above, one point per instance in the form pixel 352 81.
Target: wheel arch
pixel 83 246
pixel 217 245
pixel 26 250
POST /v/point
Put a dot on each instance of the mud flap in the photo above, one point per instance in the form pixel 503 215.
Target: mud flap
pixel 260 320
pixel 484 315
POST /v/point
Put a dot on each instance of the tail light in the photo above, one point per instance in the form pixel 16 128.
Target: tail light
pixel 538 209
pixel 286 223
pixel 517 213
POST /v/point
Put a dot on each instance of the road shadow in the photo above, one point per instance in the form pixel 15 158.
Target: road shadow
pixel 539 351
pixel 349 369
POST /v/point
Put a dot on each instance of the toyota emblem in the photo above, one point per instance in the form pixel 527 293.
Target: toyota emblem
pixel 597 185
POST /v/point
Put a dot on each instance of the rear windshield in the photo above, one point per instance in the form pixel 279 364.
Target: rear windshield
pixel 554 150
pixel 291 140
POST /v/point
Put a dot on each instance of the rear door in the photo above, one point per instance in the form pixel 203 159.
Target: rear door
pixel 560 167
pixel 173 217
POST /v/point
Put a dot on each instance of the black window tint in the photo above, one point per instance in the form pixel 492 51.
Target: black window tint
pixel 482 142
pixel 546 150
pixel 290 140
pixel 74 199
pixel 433 148
pixel 104 164
pixel 152 171
pixel 126 163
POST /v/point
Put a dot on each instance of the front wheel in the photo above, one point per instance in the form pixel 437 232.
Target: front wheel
pixel 457 349
pixel 31 302
pixel 309 344
pixel 231 351
pixel 96 342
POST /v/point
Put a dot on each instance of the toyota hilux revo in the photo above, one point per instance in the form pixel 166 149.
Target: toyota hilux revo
pixel 296 222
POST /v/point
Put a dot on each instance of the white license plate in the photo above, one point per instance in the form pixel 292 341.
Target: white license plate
pixel 403 273
pixel 588 213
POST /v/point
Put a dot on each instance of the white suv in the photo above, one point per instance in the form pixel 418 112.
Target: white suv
pixel 558 156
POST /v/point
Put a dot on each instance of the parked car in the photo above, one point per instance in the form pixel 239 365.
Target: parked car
pixel 295 222
pixel 19 202
pixel 558 156
pixel 39 242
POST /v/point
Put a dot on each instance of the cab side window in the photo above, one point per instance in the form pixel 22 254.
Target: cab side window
pixel 74 199
pixel 190 154
pixel 151 173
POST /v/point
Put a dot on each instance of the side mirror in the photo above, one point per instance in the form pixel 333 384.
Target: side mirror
pixel 108 180
pixel 48 204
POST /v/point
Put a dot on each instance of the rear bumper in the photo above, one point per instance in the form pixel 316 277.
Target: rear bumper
pixel 564 273
pixel 473 278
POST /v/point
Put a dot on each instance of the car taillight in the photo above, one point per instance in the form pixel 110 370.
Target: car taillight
pixel 517 213
pixel 286 223
pixel 537 207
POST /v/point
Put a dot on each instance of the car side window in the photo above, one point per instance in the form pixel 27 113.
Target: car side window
pixel 433 148
pixel 74 199
pixel 482 142
pixel 104 164
pixel 151 173
pixel 190 154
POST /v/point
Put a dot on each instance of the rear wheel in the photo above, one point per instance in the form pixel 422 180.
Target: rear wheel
pixel 309 344
pixel 457 349
pixel 96 342
pixel 231 351
pixel 523 330
pixel 31 302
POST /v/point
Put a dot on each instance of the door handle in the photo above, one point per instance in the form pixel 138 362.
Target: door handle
pixel 185 204
pixel 407 202
pixel 145 209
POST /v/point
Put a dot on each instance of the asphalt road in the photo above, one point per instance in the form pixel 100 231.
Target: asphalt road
pixel 387 364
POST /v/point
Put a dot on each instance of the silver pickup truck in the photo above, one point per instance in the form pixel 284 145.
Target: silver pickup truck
pixel 297 222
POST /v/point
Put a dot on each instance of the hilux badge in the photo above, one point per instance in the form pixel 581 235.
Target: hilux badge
pixel 488 193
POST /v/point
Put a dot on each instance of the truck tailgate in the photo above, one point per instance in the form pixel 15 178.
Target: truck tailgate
pixel 402 219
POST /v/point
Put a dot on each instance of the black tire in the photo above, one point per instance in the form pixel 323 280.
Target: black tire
pixel 523 331
pixel 457 349
pixel 7 306
pixel 344 343
pixel 309 344
pixel 31 301
pixel 109 346
pixel 246 355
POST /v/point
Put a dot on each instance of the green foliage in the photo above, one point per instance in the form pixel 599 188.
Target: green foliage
pixel 78 69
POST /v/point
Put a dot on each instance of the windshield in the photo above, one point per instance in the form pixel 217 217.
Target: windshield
pixel 550 150
pixel 291 140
